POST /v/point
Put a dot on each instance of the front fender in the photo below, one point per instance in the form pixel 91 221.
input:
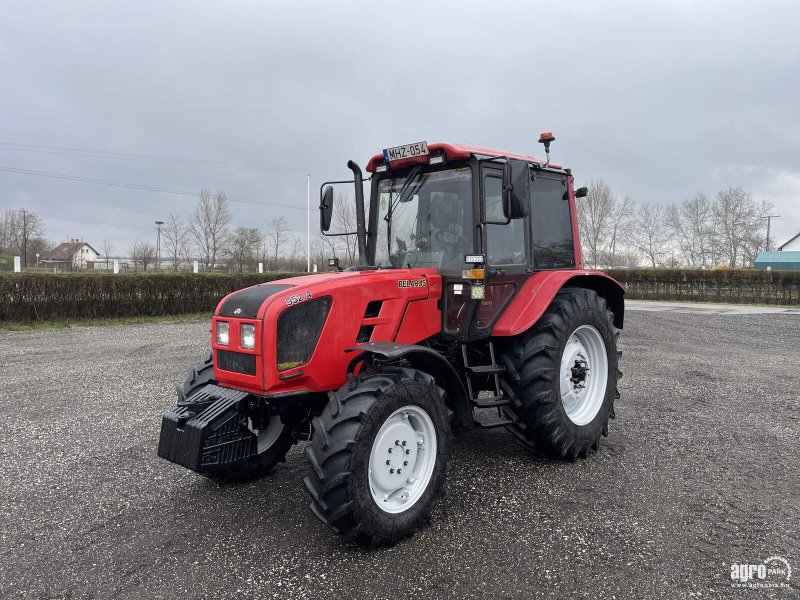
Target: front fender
pixel 538 292
pixel 428 360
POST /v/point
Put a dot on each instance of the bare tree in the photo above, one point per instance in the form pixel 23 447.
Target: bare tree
pixel 244 246
pixel 176 240
pixel 698 213
pixel 344 220
pixel 276 238
pixel 143 253
pixel 209 226
pixel 736 217
pixel 108 248
pixel 295 252
pixel 318 257
pixel 648 233
pixel 24 227
pixel 5 229
pixel 755 238
pixel 621 216
pixel 595 219
pixel 331 247
pixel 691 227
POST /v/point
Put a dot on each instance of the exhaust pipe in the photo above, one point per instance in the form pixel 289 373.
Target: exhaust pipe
pixel 361 227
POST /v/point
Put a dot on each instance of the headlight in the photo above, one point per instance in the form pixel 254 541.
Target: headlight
pixel 222 333
pixel 248 336
pixel 299 328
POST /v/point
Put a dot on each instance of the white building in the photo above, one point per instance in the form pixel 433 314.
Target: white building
pixel 792 244
pixel 72 255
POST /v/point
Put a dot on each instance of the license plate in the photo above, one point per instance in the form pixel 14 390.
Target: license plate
pixel 407 151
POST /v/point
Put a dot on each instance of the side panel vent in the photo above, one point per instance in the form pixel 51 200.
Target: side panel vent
pixel 373 309
pixel 364 334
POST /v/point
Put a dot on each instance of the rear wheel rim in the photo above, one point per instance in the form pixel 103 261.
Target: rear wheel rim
pixel 402 459
pixel 583 375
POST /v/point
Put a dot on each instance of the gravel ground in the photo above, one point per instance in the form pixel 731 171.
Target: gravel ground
pixel 700 471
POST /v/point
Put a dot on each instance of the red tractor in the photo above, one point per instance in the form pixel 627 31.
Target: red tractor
pixel 469 307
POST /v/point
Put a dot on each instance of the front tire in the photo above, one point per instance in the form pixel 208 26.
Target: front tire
pixel 562 375
pixel 378 456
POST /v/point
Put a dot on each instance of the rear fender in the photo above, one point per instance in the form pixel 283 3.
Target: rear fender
pixel 538 292
pixel 427 360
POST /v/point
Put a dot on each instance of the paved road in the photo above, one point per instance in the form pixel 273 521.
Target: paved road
pixel 709 308
pixel 700 470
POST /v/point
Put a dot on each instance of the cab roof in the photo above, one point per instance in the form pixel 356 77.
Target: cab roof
pixel 454 152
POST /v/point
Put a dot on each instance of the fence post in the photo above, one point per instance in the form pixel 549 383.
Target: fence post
pixel 17 264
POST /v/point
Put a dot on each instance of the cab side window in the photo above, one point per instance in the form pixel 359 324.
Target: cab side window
pixel 551 225
pixel 505 244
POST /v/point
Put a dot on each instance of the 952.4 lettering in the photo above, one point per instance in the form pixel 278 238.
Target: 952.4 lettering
pixel 292 300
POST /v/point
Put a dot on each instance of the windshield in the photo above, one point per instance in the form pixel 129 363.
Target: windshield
pixel 425 220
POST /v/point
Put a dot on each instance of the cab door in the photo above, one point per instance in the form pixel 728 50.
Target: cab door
pixel 506 248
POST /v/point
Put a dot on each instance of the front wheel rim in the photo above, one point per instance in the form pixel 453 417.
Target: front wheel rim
pixel 583 375
pixel 402 459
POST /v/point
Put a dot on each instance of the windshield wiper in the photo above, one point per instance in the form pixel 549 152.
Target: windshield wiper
pixel 403 195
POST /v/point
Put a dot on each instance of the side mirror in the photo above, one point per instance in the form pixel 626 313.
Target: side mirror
pixel 516 189
pixel 326 208
pixel 581 192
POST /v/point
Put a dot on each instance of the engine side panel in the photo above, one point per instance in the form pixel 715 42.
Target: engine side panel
pixel 386 305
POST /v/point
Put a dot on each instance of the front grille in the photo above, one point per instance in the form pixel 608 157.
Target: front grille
pixel 238 362
pixel 299 328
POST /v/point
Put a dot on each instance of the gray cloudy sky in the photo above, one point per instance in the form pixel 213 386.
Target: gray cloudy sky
pixel 661 99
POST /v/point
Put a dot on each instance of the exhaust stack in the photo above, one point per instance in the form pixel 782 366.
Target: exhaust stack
pixel 361 227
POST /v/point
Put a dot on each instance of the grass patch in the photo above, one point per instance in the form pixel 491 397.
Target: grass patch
pixel 6 327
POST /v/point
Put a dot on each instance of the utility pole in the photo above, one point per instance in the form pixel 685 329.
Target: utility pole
pixel 308 223
pixel 158 245
pixel 769 222
pixel 24 214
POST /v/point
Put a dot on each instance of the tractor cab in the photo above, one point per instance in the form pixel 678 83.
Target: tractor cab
pixel 484 219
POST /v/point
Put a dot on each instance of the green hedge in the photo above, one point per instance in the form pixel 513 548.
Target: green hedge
pixel 737 286
pixel 54 297
pixel 57 297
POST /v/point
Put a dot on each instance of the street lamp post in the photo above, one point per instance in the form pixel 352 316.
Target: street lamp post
pixel 158 245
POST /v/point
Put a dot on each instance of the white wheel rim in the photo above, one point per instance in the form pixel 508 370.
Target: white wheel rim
pixel 402 459
pixel 584 374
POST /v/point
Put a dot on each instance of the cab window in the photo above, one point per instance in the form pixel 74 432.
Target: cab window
pixel 505 244
pixel 551 225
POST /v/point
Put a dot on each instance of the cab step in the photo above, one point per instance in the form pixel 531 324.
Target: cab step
pixel 495 399
pixel 490 402
pixel 486 369
pixel 494 422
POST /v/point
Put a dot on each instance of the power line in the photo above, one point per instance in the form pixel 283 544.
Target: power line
pixel 192 162
pixel 137 186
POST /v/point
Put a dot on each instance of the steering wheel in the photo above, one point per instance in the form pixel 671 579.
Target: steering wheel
pixel 445 236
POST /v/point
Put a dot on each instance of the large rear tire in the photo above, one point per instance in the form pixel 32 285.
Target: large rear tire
pixel 378 456
pixel 562 375
pixel 274 441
